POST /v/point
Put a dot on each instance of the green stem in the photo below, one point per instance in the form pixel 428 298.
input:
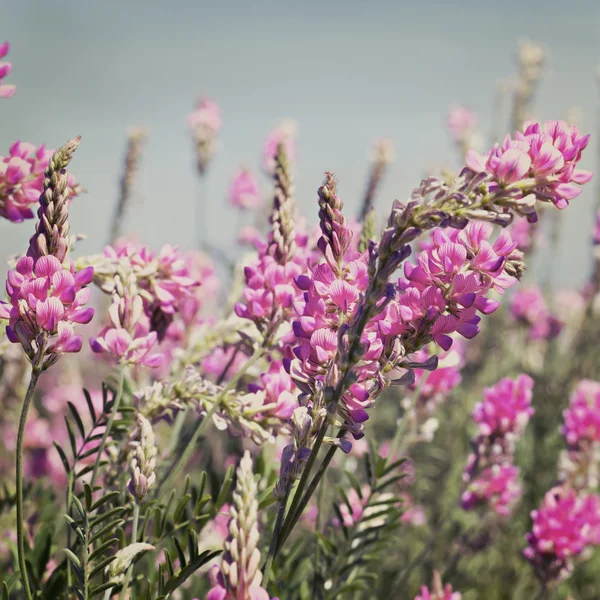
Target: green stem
pixel 35 375
pixel 318 548
pixel 292 519
pixel 107 594
pixel 202 422
pixel 111 418
pixel 69 503
pixel 275 536
pixel 134 534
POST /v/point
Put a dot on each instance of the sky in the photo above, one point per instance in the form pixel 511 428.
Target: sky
pixel 347 71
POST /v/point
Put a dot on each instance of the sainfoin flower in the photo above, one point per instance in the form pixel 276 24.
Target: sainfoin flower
pixel 205 123
pixel 506 408
pixel 563 527
pixel 6 90
pixel 529 307
pixel 239 576
pixel 244 192
pixel 541 159
pixel 47 296
pixel 497 487
pixel 128 338
pixel 582 418
pixel 22 180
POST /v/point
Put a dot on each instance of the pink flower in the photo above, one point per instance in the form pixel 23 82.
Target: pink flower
pixel 497 487
pixel 280 391
pixel 22 180
pixel 353 511
pixel 596 238
pixel 244 192
pixel 46 298
pixel 563 527
pixel 6 90
pixel 206 115
pixel 528 306
pixel 506 407
pixel 582 418
pixel 542 160
pixel 284 133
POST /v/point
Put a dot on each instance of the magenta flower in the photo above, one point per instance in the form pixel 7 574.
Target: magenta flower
pixel 563 527
pixel 506 408
pixel 46 299
pixel 6 90
pixel 22 181
pixel 205 123
pixel 582 418
pixel 244 192
pixel 523 233
pixel 529 307
pixel 280 391
pixel 541 160
pixel 497 487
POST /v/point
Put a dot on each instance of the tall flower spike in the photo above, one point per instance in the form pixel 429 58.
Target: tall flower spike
pixel 240 576
pixel 383 151
pixel 283 244
pixel 143 462
pixel 52 229
pixel 336 236
pixel 47 295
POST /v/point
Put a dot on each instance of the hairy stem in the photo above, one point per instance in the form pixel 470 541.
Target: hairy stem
pixel 109 424
pixel 35 375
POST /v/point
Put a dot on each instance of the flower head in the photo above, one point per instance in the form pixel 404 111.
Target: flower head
pixel 6 90
pixel 244 192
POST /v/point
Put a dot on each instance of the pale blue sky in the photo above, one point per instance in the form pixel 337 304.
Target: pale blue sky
pixel 347 71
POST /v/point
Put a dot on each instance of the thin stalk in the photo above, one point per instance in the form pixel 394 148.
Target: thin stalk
pixel 35 375
pixel 202 422
pixel 111 418
pixel 293 519
pixel 107 594
pixel 318 548
pixel 200 213
pixel 543 590
pixel 275 536
pixel 134 534
pixel 69 503
pixel 303 481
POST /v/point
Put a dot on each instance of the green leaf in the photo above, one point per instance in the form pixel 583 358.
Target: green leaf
pixel 77 419
pixel 90 405
pixel 73 558
pixel 63 457
pixel 107 498
pixel 189 570
pixel 87 492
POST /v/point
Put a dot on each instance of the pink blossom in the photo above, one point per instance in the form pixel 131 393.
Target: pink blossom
pixel 206 115
pixel 244 192
pixel 205 123
pixel 352 512
pixel 529 307
pixel 280 391
pixel 6 90
pixel 46 299
pixel 218 359
pixel 596 238
pixel 22 180
pixel 582 418
pixel 497 487
pixel 506 407
pixel 248 236
pixel 544 155
pixel 523 233
pixel 563 527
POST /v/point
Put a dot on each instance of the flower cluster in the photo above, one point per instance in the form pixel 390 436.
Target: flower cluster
pixel 205 123
pixel 143 461
pixel 501 418
pixel 270 290
pixel 128 338
pixel 47 295
pixel 579 464
pixel 22 180
pixel 542 160
pixel 239 576
pixel 564 526
pixel 382 154
pixel 6 90
pixel 529 307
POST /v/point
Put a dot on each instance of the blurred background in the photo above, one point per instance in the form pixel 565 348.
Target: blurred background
pixel 346 71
